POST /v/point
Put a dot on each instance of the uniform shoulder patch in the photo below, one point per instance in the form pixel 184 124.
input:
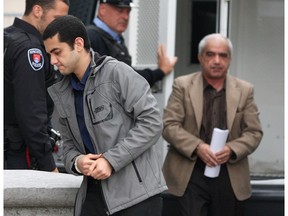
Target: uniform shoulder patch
pixel 35 58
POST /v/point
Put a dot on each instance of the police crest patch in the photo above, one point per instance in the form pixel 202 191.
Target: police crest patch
pixel 35 58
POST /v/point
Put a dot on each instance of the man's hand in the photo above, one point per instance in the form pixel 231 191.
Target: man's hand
pixel 55 170
pixel 164 62
pixel 100 169
pixel 206 155
pixel 85 161
pixel 224 155
pixel 211 159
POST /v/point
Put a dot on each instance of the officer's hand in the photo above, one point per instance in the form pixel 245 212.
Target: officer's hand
pixel 164 62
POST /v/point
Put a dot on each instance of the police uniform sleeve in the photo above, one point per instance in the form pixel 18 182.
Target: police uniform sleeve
pixel 152 76
pixel 31 103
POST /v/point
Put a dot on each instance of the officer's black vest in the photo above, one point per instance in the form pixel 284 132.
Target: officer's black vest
pixel 116 50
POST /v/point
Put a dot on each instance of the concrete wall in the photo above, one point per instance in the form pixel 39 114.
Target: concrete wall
pixel 38 193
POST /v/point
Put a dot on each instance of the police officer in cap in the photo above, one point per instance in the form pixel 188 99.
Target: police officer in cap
pixel 27 74
pixel 119 3
pixel 105 35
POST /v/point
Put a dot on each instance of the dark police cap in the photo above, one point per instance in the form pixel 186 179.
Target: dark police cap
pixel 119 3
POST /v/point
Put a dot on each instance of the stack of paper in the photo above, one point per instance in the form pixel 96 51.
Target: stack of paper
pixel 218 142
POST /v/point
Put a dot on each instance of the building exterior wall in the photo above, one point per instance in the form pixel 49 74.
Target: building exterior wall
pixel 12 8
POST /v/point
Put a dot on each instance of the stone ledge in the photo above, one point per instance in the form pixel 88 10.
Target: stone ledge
pixel 44 211
pixel 30 188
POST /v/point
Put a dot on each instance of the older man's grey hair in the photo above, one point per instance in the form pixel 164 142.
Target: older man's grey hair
pixel 203 42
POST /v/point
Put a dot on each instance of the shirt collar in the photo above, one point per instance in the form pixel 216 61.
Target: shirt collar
pixel 100 24
pixel 27 27
pixel 206 84
pixel 80 85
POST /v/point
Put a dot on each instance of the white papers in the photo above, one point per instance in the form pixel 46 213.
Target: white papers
pixel 218 142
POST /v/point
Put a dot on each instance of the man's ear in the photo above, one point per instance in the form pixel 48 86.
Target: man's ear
pixel 79 43
pixel 101 10
pixel 37 11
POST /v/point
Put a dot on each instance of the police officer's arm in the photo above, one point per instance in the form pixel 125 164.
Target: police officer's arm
pixel 31 105
pixel 165 66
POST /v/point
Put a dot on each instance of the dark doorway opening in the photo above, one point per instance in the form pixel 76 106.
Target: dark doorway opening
pixel 204 19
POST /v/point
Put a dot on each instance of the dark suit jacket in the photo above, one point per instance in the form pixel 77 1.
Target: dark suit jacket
pixel 182 122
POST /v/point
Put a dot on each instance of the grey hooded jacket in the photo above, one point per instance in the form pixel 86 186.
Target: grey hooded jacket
pixel 124 123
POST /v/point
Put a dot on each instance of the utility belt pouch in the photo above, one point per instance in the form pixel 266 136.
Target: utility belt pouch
pixel 14 138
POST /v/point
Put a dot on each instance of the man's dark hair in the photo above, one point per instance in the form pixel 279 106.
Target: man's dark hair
pixel 45 4
pixel 68 29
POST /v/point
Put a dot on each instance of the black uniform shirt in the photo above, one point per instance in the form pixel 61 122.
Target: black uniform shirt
pixel 28 73
pixel 104 44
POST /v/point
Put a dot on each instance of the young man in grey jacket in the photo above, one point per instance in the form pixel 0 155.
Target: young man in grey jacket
pixel 110 123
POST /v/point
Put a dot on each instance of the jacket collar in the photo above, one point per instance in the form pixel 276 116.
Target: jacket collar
pixel 97 61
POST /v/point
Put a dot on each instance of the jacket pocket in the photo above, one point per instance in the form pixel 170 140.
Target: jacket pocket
pixel 100 110
pixel 137 172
